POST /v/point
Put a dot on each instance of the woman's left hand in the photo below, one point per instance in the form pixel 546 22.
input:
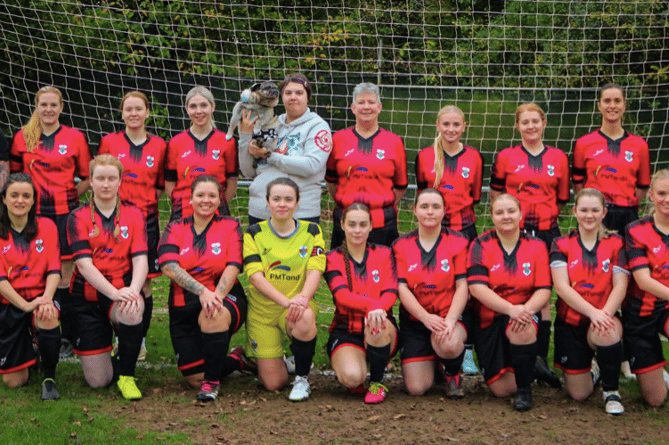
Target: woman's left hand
pixel 298 304
pixel 45 308
pixel 376 320
pixel 211 303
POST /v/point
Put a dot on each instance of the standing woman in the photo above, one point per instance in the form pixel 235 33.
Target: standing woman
pixel 108 240
pixel 588 269
pixel 368 164
pixel 53 155
pixel 143 158
pixel 508 273
pixel 646 309
pixel 454 169
pixel 284 259
pixel 29 276
pixel 202 255
pixel 432 270
pixel 200 150
pixel 613 161
pixel 302 149
pixel 363 281
pixel 538 175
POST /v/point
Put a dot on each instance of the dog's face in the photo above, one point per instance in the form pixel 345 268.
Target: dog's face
pixel 268 93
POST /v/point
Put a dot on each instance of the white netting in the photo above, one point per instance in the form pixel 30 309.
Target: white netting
pixel 484 56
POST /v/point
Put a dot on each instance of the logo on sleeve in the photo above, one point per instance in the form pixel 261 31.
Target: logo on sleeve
pixel 323 140
pixel 39 245
pixel 317 251
pixel 375 276
pixel 216 248
pixel 526 269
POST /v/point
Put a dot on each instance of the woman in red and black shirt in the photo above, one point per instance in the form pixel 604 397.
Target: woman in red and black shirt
pixel 363 282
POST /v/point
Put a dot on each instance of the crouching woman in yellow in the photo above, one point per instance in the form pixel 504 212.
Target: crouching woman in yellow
pixel 284 260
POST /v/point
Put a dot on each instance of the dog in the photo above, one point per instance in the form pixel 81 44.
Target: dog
pixel 260 99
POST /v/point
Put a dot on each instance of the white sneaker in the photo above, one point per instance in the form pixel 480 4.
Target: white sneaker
pixel 301 389
pixel 613 403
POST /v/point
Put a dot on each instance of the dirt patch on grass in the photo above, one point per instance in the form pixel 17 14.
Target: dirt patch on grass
pixel 246 414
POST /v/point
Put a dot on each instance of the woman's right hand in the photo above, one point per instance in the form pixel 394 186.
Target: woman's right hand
pixel 601 320
pixel 521 314
pixel 247 123
pixel 257 152
pixel 211 303
pixel 434 323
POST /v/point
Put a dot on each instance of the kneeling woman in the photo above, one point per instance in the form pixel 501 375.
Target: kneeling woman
pixel 284 259
pixel 202 255
pixel 29 276
pixel 508 273
pixel 432 271
pixel 108 241
pixel 363 282
pixel 588 268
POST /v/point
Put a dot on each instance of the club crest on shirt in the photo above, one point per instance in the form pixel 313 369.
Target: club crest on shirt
pixel 375 276
pixel 445 266
pixel 124 232
pixel 380 154
pixel 465 172
pixel 216 248
pixel 605 265
pixel 39 245
pixel 526 269
pixel 62 149
pixel 303 251
pixel 150 161
pixel 551 170
pixel 216 154
pixel 629 156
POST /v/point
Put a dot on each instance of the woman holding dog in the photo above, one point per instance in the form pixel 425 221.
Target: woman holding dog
pixel 303 145
pixel 200 150
pixel 370 158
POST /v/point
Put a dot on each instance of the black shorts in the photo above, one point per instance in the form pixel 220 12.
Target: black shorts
pixel 61 224
pixel 642 343
pixel 93 325
pixel 153 236
pixel 493 348
pixel 572 353
pixel 416 339
pixel 186 334
pixel 341 337
pixel 16 333
pixel 617 218
pixel 381 235
pixel 547 236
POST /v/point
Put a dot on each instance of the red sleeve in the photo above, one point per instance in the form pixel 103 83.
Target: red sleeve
pixel 171 157
pixel 578 163
pixel 231 159
pixel 50 236
pixel 497 172
pixel 77 234
pixel 421 182
pixel 331 164
pixel 335 275
pixel 563 194
pixel 160 180
pixel 401 180
pixel 104 146
pixel 234 249
pixel 16 153
pixel 400 261
pixel 542 278
pixel 169 245
pixel 643 175
pixel 460 260
pixel 83 156
pixel 477 270
pixel 477 184
pixel 636 250
pixel 139 237
pixel 388 275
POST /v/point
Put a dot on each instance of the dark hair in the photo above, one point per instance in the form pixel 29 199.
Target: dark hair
pixel 283 181
pixel 204 178
pixel 612 85
pixel 5 223
pixel 344 246
pixel 430 191
pixel 296 78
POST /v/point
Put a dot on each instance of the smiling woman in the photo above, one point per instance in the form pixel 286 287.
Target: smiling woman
pixel 200 150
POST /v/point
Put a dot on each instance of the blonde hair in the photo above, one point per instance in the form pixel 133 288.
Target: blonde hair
pixel 658 176
pixel 138 95
pixel 438 146
pixel 206 93
pixel 529 106
pixel 32 131
pixel 504 196
pixel 603 232
pixel 101 161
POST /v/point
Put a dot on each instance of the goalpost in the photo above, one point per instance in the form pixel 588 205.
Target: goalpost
pixel 484 56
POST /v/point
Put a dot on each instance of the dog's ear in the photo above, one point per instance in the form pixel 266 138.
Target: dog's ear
pixel 256 86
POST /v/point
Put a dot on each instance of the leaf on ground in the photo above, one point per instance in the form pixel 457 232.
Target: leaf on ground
pixel 399 416
pixel 373 419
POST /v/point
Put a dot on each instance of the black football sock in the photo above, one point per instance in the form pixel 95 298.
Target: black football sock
pixel 129 344
pixel 378 357
pixel 146 317
pixel 304 354
pixel 609 359
pixel 48 341
pixel 523 358
pixel 452 365
pixel 214 348
pixel 68 321
pixel 543 339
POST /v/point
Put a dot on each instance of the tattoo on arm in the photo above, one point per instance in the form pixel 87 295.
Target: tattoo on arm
pixel 222 284
pixel 184 279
